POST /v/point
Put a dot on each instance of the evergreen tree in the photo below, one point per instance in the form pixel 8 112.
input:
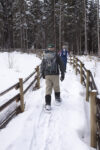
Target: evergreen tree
pixel 27 23
pixel 92 25
pixel 7 31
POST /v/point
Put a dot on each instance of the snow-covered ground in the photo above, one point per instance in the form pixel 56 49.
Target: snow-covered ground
pixel 14 66
pixel 65 128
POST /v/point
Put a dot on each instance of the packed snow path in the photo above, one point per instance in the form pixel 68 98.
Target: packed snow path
pixel 65 128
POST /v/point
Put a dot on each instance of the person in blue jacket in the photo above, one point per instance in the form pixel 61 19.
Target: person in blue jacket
pixel 64 55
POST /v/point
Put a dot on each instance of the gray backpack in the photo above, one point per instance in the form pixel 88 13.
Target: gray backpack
pixel 50 62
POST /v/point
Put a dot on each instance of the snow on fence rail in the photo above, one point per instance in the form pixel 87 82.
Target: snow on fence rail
pixel 86 78
pixel 6 107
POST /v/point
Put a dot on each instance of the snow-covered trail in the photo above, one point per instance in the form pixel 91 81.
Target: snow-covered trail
pixel 65 128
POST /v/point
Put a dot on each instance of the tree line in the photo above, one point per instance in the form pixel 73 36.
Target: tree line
pixel 26 24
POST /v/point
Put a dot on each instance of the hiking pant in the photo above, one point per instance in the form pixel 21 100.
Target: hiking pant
pixel 52 82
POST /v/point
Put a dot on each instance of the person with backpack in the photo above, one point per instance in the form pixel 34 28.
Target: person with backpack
pixel 64 54
pixel 51 63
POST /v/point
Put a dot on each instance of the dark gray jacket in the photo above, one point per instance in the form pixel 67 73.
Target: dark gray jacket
pixel 59 64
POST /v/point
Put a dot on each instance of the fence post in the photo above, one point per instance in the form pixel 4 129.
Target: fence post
pixel 38 78
pixel 81 72
pixel 93 127
pixel 21 94
pixel 87 84
pixel 70 60
pixel 73 61
pixel 76 66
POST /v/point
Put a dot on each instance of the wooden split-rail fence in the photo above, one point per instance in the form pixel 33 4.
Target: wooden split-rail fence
pixel 18 98
pixel 92 95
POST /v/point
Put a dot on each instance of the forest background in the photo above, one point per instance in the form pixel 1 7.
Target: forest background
pixel 29 24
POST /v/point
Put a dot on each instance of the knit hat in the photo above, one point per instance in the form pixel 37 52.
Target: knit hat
pixel 51 45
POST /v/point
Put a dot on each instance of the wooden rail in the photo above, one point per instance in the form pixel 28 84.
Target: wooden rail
pixel 20 96
pixel 15 98
pixel 9 89
pixel 13 113
pixel 29 77
pixel 86 78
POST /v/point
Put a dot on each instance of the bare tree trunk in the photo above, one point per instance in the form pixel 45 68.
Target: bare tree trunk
pixel 26 39
pixel 80 50
pixel 85 27
pixel 25 30
pixel 24 42
pixel 13 41
pixel 60 27
pixel 98 28
pixel 78 44
pixel 54 26
pixel 21 33
pixel 2 39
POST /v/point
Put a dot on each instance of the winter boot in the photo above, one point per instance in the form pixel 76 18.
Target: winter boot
pixel 48 102
pixel 48 108
pixel 57 97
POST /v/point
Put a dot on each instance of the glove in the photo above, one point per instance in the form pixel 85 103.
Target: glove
pixel 62 77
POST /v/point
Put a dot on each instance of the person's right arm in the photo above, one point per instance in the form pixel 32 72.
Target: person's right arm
pixel 42 68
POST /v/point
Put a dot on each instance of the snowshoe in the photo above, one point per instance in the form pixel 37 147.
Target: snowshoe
pixel 47 108
pixel 58 101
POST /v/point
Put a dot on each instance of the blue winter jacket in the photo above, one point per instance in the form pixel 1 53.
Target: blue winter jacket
pixel 64 55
